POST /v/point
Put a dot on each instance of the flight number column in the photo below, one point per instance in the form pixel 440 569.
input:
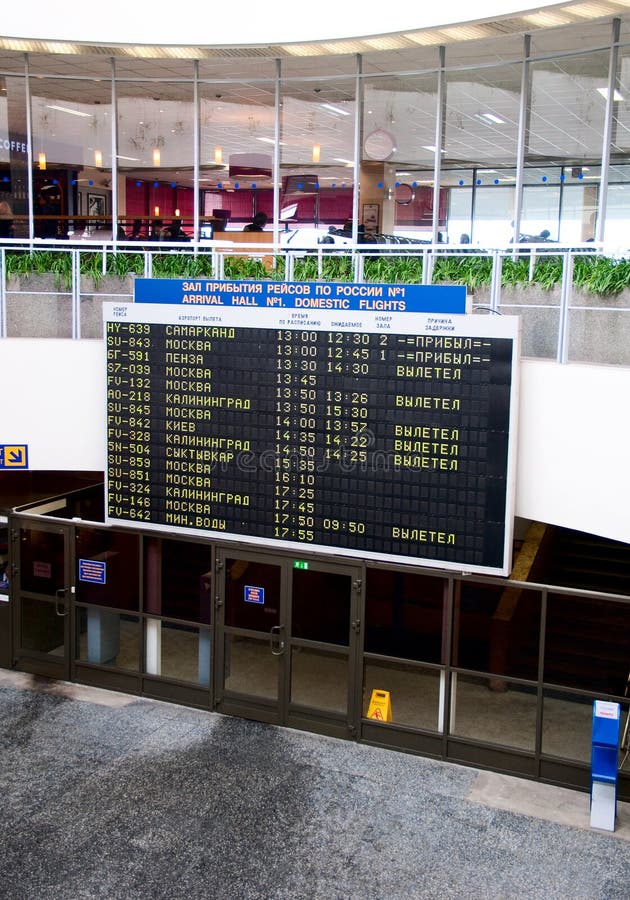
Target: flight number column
pixel 129 419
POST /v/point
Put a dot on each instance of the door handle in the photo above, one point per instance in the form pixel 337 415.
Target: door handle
pixel 60 602
pixel 275 629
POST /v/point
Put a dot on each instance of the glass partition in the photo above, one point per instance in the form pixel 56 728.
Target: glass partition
pixel 13 158
pixel 397 155
pixel 587 628
pixel 567 113
pixel 155 155
pixel 72 154
pixel 481 128
pixel 236 133
pixel 317 125
pixel 496 630
pixel 115 556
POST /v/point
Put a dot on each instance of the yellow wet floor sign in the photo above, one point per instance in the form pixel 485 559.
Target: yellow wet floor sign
pixel 380 706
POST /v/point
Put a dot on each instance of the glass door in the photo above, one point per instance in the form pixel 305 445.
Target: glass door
pixel 322 680
pixel 287 641
pixel 251 609
pixel 42 598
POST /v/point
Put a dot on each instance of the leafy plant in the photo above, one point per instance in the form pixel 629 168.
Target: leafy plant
pixel 124 264
pixel 393 269
pixel 91 265
pixel 599 275
pixel 42 262
pixel 240 267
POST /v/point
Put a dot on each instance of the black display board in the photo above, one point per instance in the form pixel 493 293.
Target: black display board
pixel 386 437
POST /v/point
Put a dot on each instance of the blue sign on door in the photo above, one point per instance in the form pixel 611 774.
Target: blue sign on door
pixel 254 594
pixel 92 570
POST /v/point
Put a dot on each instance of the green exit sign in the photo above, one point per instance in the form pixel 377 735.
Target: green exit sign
pixel 300 564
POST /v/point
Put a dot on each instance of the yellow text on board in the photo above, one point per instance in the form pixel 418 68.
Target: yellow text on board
pixel 380 706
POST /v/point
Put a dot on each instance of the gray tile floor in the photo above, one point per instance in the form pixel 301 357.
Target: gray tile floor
pixel 106 795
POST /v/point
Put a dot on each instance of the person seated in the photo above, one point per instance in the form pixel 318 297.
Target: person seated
pixel 136 230
pixel 258 222
pixel 6 220
pixel 174 232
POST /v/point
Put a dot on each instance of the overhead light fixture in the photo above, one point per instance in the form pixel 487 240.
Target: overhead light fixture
pixel 547 19
pixel 41 160
pixel 335 109
pixel 71 112
pixel 128 158
pixel 316 153
pixel 98 159
pixel 490 117
pixel 218 156
pixel 604 92
pixel 156 156
pixel 346 162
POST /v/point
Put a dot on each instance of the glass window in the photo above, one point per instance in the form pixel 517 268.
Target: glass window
pixel 496 629
pixel 107 638
pixel 72 122
pixel 42 561
pixel 316 155
pixel 178 579
pixel 506 717
pixel 567 113
pixel 415 692
pixel 567 726
pixel 397 156
pixel 319 679
pixel 41 628
pixel 4 561
pixel 404 615
pixel 177 651
pixel 321 606
pixel 586 643
pixel 155 159
pixel 236 144
pixel 13 158
pixel 481 126
pixel 117 556
pixel 250 668
pixel 252 591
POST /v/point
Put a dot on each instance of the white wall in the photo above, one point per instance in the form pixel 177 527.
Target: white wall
pixel 573 466
pixel 574 447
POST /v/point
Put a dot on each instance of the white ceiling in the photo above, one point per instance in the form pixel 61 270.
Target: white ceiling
pixel 121 22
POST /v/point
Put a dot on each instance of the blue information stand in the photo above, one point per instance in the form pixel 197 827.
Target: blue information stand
pixel 604 764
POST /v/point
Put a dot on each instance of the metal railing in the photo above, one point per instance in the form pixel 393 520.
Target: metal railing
pixel 56 288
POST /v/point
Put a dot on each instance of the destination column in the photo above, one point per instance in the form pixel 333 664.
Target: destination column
pixel 204 421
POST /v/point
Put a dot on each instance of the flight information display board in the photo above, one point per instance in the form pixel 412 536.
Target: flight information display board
pixel 356 430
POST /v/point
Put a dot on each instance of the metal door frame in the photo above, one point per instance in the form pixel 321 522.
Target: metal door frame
pixel 35 661
pixel 280 712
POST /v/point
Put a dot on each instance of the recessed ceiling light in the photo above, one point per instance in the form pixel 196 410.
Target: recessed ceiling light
pixel 72 112
pixel 490 117
pixel 335 109
pixel 604 92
